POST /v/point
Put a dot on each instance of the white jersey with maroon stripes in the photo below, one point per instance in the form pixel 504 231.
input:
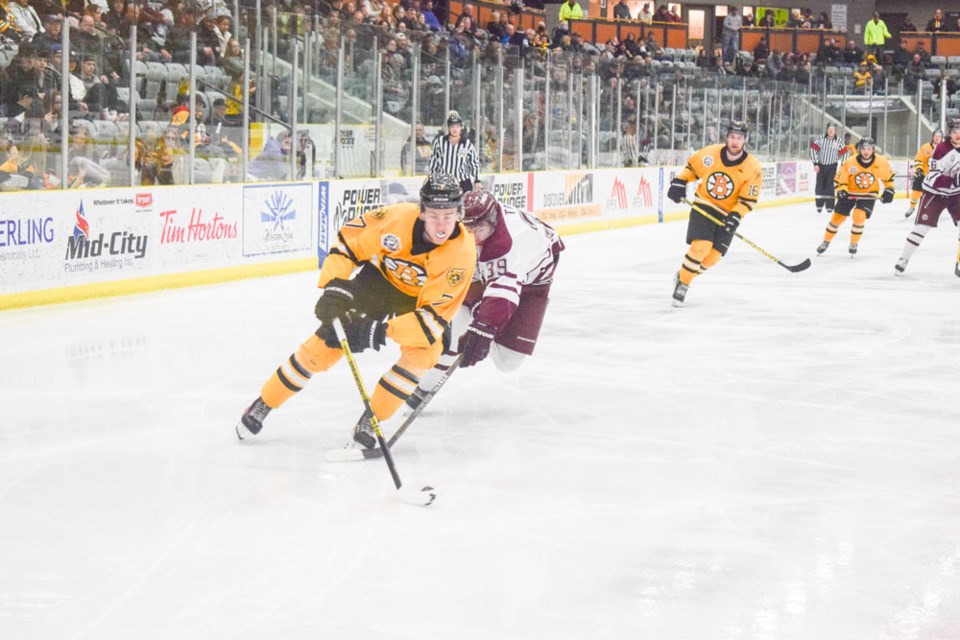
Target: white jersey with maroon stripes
pixel 521 251
pixel 943 179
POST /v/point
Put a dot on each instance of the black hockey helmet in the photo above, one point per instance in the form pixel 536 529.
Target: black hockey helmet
pixel 738 126
pixel 454 118
pixel 479 207
pixel 830 125
pixel 441 191
pixel 865 142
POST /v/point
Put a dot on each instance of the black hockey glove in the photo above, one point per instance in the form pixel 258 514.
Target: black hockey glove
pixel 474 345
pixel 362 334
pixel 887 196
pixel 677 191
pixel 731 222
pixel 919 173
pixel 336 301
pixel 842 194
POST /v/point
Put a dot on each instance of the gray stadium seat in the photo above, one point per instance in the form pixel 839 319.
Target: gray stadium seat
pixel 938 61
pixel 954 62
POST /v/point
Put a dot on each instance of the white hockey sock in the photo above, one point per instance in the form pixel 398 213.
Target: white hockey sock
pixel 914 238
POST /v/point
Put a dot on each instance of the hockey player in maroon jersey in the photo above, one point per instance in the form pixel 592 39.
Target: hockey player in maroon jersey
pixel 941 190
pixel 508 299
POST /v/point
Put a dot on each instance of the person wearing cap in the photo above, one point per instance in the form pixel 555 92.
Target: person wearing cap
pixel 49 37
pixel 454 155
pixel 25 19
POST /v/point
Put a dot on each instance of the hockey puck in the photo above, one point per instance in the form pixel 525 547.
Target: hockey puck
pixel 422 497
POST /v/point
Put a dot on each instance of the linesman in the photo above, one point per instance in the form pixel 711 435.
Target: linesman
pixel 826 152
pixel 454 155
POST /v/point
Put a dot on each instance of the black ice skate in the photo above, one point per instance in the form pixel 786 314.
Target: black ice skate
pixel 900 267
pixel 908 212
pixel 679 293
pixel 415 399
pixel 363 433
pixel 853 249
pixel 252 420
pixel 823 247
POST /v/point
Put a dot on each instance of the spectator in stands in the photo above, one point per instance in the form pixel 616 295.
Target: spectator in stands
pixel 774 63
pixel 823 22
pixel 662 14
pixel 273 163
pixel 956 25
pixel 703 58
pixel 875 34
pixel 861 76
pixel 922 51
pixel 804 69
pixel 908 25
pixel 25 19
pixel 422 150
pixel 113 18
pixel 852 54
pixel 829 53
pixel 653 49
pixel 761 52
pixel 571 10
pixel 675 14
pixel 20 73
pixel 645 15
pixel 494 29
pixel 796 20
pixel 731 34
pixel 147 38
pixel 767 21
pixel 52 104
pixel 748 69
pixel 429 17
pixel 951 83
pixel 901 57
pixel 208 42
pixel 630 46
pixel 621 11
pixel 23 106
pixel 937 22
pixel 82 168
pixel 748 20
pixel 914 74
pixel 44 40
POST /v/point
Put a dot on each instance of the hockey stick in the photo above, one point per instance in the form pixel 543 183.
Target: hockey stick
pixel 422 497
pixel 354 455
pixel 789 267
pixel 956 269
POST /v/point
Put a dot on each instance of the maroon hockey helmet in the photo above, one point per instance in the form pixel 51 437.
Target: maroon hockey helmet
pixel 479 207
pixel 953 124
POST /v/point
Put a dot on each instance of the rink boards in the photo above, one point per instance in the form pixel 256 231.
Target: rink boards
pixel 63 246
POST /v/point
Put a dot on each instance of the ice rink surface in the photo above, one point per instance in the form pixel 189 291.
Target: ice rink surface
pixel 780 459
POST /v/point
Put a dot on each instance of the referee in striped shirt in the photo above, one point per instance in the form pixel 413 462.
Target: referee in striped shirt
pixel 455 155
pixel 826 151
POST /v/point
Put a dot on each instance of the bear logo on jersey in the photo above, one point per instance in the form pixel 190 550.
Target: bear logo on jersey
pixel 390 242
pixel 455 276
pixel 719 185
pixel 864 180
pixel 407 272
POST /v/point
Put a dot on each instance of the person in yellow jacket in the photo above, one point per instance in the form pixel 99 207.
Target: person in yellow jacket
pixel 859 181
pixel 875 34
pixel 729 186
pixel 571 10
pixel 399 272
pixel 861 76
pixel 921 165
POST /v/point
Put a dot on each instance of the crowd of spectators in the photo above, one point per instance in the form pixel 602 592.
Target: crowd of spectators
pixel 31 102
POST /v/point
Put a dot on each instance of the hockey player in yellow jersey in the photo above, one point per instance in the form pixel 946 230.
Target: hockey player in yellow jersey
pixel 859 181
pixel 399 272
pixel 729 186
pixel 921 166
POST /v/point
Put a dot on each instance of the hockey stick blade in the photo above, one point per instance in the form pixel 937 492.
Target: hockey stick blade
pixel 796 267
